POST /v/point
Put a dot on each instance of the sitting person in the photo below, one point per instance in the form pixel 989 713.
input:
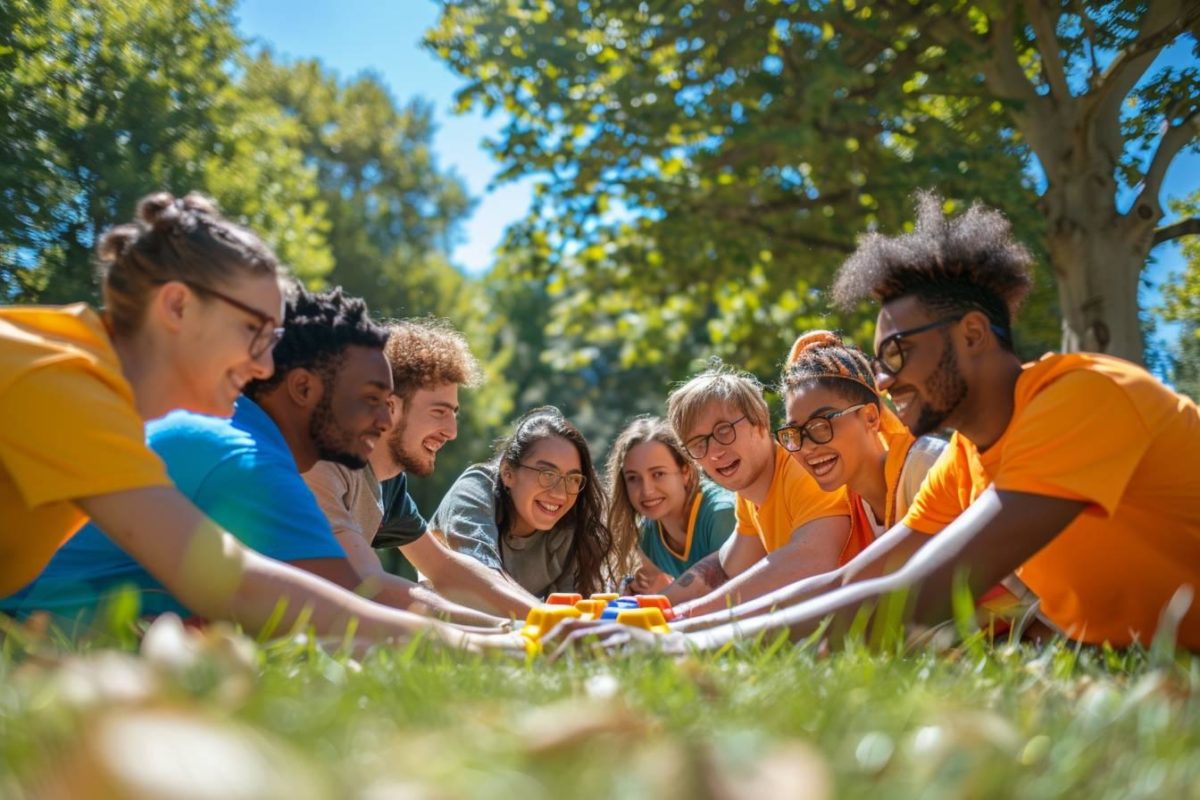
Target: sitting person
pixel 327 398
pixel 1070 470
pixel 535 513
pixel 787 528
pixel 371 507
pixel 656 494
pixel 192 311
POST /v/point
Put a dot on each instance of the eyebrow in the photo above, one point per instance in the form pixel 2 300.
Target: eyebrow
pixel 380 385
pixel 444 404
pixel 541 462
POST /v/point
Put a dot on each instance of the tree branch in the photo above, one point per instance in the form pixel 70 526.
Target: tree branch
pixel 1046 38
pixel 1163 22
pixel 1185 227
pixel 1171 143
pixel 1089 29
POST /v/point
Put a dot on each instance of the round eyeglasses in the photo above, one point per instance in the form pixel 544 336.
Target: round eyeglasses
pixel 722 432
pixel 548 478
pixel 818 428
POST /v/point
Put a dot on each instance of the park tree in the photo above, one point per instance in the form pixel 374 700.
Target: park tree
pixel 701 168
pixel 394 215
pixel 106 100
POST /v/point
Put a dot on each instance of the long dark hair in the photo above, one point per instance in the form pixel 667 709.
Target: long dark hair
pixel 592 543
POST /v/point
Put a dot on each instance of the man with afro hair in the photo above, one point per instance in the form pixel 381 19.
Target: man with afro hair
pixel 1076 471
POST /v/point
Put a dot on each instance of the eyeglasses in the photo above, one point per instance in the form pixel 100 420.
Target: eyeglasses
pixel 723 432
pixel 267 335
pixel 818 428
pixel 550 478
pixel 889 358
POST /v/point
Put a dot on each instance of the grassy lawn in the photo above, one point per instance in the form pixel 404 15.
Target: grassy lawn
pixel 214 715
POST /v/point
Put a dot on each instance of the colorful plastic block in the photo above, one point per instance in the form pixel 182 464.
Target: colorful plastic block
pixel 542 619
pixel 649 618
pixel 607 597
pixel 563 599
pixel 592 609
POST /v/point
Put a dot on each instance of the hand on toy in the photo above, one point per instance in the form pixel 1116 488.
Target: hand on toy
pixel 649 579
pixel 614 639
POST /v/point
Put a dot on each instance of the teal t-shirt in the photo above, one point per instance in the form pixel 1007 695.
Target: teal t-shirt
pixel 710 524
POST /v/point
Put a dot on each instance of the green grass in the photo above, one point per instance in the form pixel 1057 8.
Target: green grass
pixel 213 715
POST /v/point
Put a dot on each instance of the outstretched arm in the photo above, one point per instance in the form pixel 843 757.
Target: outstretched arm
pixel 998 533
pixel 466 579
pixel 812 550
pixel 212 573
pixel 884 555
pixel 737 555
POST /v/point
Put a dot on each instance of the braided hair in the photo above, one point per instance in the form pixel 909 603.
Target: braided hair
pixel 821 358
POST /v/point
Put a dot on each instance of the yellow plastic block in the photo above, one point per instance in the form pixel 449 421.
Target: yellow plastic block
pixel 592 609
pixel 650 619
pixel 607 597
pixel 542 619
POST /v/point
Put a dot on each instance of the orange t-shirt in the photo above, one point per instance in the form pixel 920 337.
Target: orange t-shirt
pixel 793 500
pixel 70 430
pixel 1104 431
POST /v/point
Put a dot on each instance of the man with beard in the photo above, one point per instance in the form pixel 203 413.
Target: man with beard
pixel 327 399
pixel 372 507
pixel 1070 470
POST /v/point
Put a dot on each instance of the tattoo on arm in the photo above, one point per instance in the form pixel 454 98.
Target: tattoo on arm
pixel 708 570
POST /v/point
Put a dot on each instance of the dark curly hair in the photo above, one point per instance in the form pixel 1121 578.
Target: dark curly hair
pixel 318 327
pixel 968 263
pixel 595 561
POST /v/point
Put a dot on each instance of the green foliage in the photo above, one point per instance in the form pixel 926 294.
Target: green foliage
pixel 702 170
pixel 105 101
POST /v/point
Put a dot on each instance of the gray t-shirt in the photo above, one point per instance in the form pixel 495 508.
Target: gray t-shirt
pixel 541 563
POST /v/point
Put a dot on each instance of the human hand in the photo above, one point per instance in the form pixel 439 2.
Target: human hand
pixel 649 579
pixel 618 639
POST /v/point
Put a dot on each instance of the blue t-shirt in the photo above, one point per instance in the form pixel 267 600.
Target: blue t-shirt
pixel 239 471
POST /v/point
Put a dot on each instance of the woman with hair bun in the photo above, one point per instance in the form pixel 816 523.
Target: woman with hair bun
pixel 192 310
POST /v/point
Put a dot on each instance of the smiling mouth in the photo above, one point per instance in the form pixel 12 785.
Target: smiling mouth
pixel 730 468
pixel 902 400
pixel 548 508
pixel 650 505
pixel 820 466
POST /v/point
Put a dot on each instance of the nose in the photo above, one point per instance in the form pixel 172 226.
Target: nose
pixel 383 417
pixel 559 489
pixel 451 429
pixel 883 380
pixel 263 367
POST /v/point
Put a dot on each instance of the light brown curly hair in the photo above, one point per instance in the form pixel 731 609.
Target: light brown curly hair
pixel 425 353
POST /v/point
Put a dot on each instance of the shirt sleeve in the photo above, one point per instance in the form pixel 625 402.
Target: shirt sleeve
pixel 402 521
pixel 67 435
pixel 467 518
pixel 1079 438
pixel 943 495
pixel 745 519
pixel 330 485
pixel 924 453
pixel 268 507
pixel 715 528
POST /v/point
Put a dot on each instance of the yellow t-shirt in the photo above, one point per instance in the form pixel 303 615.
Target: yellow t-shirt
pixel 794 499
pixel 70 430
pixel 1104 431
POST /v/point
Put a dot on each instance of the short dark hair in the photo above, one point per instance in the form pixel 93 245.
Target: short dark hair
pixel 318 327
pixel 952 265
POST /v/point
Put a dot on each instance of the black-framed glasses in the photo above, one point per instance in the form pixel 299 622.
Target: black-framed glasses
pixel 549 478
pixel 268 333
pixel 889 357
pixel 819 428
pixel 723 432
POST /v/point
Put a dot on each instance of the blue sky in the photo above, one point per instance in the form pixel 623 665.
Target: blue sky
pixel 351 36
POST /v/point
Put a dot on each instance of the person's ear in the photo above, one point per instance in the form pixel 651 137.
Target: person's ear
pixel 689 477
pixel 870 416
pixel 506 475
pixel 304 387
pixel 170 305
pixel 976 331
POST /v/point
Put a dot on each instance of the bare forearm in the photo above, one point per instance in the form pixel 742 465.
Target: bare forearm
pixel 699 580
pixel 468 581
pixel 418 599
pixel 789 595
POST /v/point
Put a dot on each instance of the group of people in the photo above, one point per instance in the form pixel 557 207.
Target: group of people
pixel 235 446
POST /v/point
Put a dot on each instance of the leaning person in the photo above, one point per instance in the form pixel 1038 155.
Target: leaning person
pixel 192 311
